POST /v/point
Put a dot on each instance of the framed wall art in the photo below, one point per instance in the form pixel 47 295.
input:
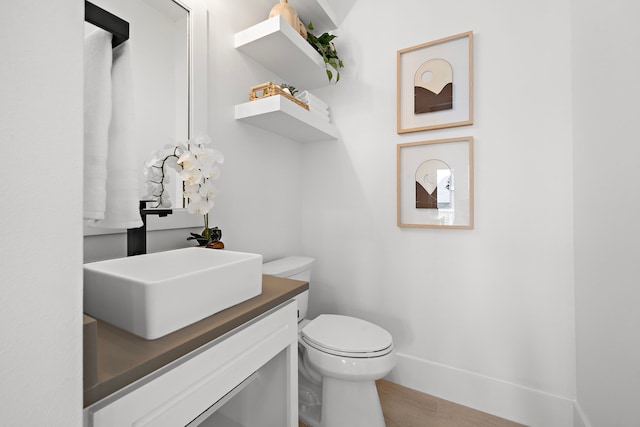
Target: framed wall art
pixel 435 183
pixel 435 84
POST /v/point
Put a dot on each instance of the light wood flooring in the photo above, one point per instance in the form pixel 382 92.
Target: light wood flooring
pixel 404 407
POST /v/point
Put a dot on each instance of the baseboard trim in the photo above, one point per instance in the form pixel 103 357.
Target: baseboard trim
pixel 506 400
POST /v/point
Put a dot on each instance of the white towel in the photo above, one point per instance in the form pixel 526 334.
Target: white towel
pixel 313 105
pixel 311 99
pixel 97 115
pixel 320 115
pixel 321 111
pixel 122 166
pixel 316 105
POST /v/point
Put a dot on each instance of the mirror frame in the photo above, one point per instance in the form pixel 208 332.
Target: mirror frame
pixel 198 112
pixel 198 64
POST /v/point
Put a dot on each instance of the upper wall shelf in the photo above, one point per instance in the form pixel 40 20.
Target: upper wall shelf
pixel 326 15
pixel 277 46
pixel 319 12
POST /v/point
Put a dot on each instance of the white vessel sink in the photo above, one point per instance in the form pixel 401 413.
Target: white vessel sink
pixel 155 294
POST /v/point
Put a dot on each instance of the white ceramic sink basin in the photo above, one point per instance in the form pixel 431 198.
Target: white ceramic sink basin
pixel 155 294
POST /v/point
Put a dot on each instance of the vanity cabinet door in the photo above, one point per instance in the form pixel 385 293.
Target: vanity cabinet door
pixel 178 393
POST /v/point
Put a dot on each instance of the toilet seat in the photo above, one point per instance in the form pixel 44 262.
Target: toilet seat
pixel 347 337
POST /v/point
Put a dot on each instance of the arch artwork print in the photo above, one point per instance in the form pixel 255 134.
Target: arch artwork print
pixel 433 185
pixel 433 87
pixel 435 84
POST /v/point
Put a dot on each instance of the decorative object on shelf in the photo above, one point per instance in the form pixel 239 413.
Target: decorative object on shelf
pixel 302 29
pixel 435 183
pixel 325 47
pixel 210 237
pixel 316 105
pixel 291 90
pixel 435 84
pixel 269 89
pixel 196 162
pixel 287 12
pixel 215 244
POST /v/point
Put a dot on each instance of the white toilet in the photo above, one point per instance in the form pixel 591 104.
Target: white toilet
pixel 339 359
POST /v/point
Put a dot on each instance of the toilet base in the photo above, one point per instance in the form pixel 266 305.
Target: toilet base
pixel 309 401
pixel 350 403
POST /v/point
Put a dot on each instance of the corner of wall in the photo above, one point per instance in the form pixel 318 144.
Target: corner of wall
pixel 579 417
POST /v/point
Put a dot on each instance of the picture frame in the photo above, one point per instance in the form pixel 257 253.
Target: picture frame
pixel 435 84
pixel 435 183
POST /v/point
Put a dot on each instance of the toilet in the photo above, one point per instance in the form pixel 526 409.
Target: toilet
pixel 339 359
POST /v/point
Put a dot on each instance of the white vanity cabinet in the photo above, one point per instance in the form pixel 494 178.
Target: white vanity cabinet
pixel 247 377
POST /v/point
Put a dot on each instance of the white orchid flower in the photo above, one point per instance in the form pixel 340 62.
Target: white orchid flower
pixel 205 156
pixel 153 188
pixel 165 201
pixel 153 173
pixel 191 188
pixel 188 161
pixel 172 162
pixel 195 197
pixel 200 207
pixel 190 177
pixel 196 162
pixel 208 190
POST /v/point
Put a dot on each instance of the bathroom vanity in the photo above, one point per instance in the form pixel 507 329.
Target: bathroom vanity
pixel 235 368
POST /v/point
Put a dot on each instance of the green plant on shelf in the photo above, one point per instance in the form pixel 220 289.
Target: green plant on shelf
pixel 291 90
pixel 325 47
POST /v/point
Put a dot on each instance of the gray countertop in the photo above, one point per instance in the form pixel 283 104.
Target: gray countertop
pixel 114 358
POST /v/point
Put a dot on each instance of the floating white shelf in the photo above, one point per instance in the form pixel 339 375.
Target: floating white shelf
pixel 318 12
pixel 278 47
pixel 279 115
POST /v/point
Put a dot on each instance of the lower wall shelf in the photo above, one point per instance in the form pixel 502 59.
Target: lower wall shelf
pixel 279 115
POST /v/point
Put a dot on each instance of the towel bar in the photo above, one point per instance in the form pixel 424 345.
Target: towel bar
pixel 108 22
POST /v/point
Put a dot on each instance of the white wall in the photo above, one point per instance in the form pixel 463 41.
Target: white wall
pixel 482 317
pixel 606 88
pixel 40 229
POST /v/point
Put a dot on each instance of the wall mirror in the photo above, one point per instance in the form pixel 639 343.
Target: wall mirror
pixel 168 42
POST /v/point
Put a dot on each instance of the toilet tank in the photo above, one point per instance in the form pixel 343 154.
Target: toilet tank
pixel 296 268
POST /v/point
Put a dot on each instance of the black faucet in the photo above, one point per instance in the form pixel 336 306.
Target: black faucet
pixel 137 237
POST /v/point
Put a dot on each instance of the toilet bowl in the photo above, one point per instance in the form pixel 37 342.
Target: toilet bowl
pixel 339 359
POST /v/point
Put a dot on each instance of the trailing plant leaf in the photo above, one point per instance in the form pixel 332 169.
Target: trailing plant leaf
pixel 325 47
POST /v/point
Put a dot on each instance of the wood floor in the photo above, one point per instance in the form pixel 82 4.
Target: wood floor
pixel 404 407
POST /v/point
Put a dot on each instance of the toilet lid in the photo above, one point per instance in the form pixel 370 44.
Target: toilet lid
pixel 346 334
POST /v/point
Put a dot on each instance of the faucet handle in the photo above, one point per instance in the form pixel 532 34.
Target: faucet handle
pixel 143 203
pixel 144 210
